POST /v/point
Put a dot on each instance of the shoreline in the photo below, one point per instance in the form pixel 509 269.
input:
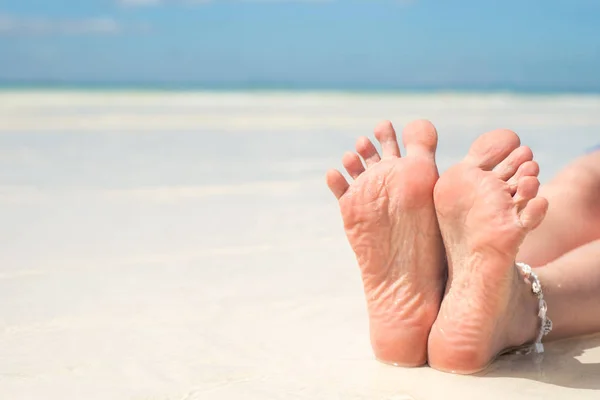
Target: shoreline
pixel 348 90
pixel 303 93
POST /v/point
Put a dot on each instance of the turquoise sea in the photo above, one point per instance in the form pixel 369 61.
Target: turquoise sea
pixel 347 87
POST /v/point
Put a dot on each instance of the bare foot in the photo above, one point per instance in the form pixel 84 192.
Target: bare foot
pixel 486 205
pixel 390 222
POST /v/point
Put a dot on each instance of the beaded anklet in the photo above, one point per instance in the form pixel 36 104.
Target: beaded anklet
pixel 546 324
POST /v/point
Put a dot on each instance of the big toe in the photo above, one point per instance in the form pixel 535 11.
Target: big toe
pixel 420 138
pixel 492 148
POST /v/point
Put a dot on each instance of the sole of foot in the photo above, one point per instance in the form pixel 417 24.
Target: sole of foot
pixel 390 222
pixel 486 205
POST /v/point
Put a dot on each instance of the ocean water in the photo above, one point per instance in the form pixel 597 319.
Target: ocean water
pixel 183 245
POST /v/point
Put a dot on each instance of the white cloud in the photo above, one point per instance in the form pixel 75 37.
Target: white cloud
pixel 35 26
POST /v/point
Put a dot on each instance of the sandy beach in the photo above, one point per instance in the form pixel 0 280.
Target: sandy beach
pixel 184 246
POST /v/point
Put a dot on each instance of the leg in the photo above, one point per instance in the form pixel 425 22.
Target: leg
pixel 572 290
pixel 571 276
pixel 390 222
pixel 573 197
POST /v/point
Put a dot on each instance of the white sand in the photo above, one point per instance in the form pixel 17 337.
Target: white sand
pixel 184 246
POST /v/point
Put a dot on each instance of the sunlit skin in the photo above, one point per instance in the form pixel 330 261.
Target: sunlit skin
pixel 396 212
pixel 390 222
pixel 485 208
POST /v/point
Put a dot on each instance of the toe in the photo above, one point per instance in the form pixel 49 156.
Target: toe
pixel 527 189
pixel 353 165
pixel 367 151
pixel 337 183
pixel 492 147
pixel 510 165
pixel 534 212
pixel 420 138
pixel 529 168
pixel 386 135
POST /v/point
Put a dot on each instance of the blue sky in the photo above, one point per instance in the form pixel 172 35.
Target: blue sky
pixel 531 44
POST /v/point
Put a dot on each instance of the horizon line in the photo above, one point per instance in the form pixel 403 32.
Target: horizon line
pixel 256 86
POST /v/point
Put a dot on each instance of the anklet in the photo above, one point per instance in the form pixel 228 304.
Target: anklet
pixel 546 324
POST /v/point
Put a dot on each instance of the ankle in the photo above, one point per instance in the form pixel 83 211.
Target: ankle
pixel 525 324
